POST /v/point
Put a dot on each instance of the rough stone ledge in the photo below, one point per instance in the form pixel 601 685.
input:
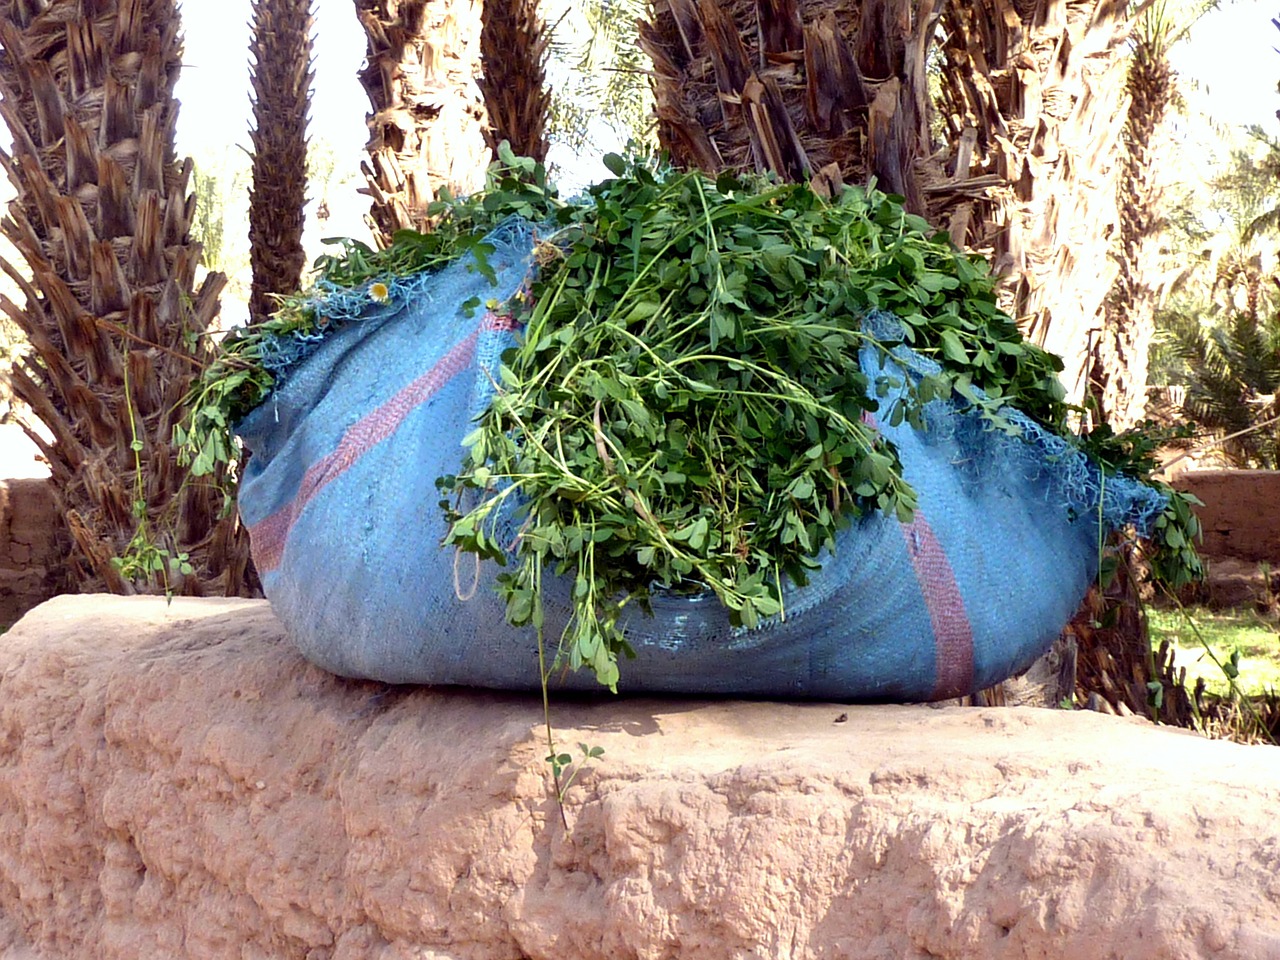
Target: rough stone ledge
pixel 175 782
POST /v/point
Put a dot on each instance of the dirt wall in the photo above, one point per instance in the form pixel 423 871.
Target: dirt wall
pixel 177 782
pixel 1241 512
pixel 28 547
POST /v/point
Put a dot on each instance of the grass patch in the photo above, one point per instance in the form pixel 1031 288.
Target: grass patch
pixel 1251 639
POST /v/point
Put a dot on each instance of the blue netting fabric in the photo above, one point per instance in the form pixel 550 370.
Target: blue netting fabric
pixel 1074 483
pixel 336 306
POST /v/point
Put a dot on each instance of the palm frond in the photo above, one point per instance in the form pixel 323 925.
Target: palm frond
pixel 1233 376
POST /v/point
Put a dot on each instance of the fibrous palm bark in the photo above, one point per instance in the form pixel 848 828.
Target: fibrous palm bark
pixel 1120 360
pixel 1034 97
pixel 426 130
pixel 795 88
pixel 115 320
pixel 281 79
pixel 513 52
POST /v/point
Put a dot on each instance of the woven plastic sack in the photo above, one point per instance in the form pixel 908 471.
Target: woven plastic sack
pixel 340 499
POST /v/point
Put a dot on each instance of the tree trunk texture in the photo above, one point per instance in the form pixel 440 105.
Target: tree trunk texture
pixel 513 53
pixel 114 318
pixel 1120 361
pixel 281 77
pixel 794 87
pixel 1033 95
pixel 1116 669
pixel 426 131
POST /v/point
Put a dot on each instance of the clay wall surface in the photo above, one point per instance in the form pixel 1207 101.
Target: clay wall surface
pixel 1241 512
pixel 28 547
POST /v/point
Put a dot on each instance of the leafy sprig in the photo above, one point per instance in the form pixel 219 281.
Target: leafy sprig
pixel 1171 550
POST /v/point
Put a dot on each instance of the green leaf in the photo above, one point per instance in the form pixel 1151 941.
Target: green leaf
pixel 935 282
pixel 952 349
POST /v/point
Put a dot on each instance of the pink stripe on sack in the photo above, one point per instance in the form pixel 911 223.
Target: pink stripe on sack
pixel 268 537
pixel 952 632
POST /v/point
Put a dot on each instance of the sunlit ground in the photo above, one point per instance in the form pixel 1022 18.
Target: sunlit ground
pixel 1223 633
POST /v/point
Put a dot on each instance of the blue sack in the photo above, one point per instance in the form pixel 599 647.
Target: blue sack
pixel 342 508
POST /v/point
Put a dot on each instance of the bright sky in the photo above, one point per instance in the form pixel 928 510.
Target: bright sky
pixel 215 113
pixel 213 86
pixel 1232 60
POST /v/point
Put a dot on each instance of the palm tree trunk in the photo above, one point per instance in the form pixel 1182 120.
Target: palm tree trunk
pixel 751 85
pixel 513 50
pixel 1069 125
pixel 1034 100
pixel 1119 373
pixel 281 79
pixel 112 312
pixel 426 131
pixel 1020 161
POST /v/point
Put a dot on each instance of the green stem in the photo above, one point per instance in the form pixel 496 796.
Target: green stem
pixel 546 698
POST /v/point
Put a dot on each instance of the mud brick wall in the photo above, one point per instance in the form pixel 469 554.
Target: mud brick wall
pixel 28 547
pixel 1241 512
